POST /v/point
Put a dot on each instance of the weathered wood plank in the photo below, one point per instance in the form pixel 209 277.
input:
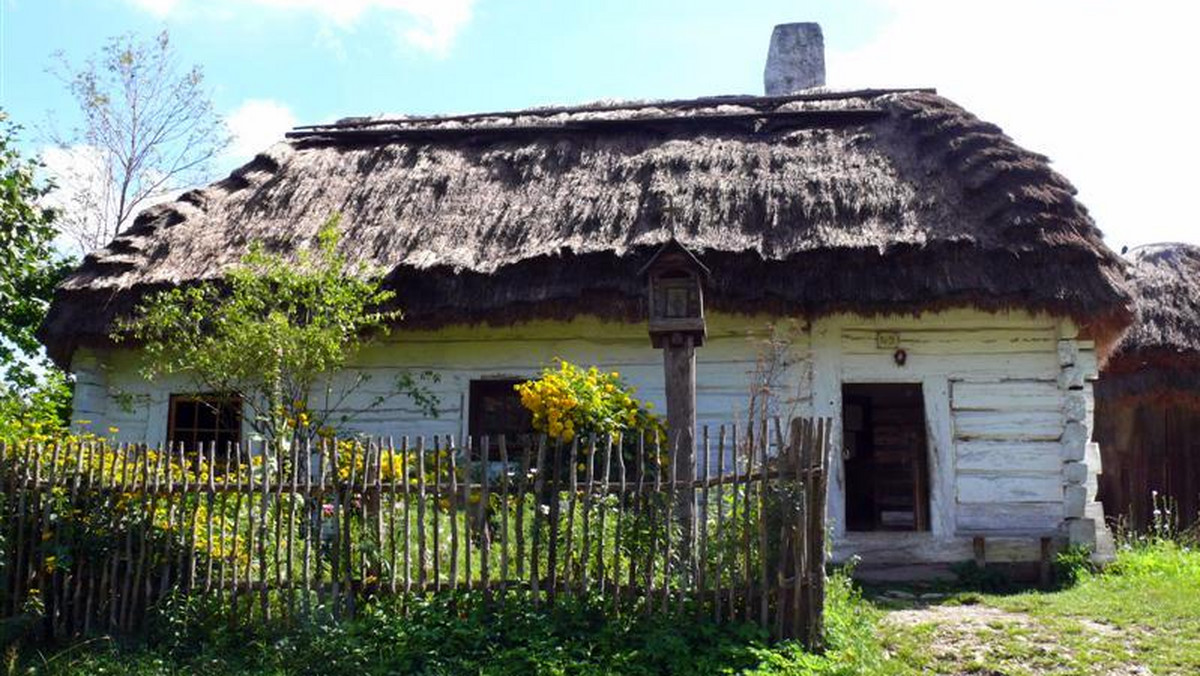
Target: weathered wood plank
pixel 953 340
pixel 1011 516
pixel 1008 395
pixel 1006 488
pixel 1009 456
pixel 1019 426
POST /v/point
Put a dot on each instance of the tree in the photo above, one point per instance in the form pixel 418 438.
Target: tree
pixel 29 267
pixel 149 128
pixel 274 333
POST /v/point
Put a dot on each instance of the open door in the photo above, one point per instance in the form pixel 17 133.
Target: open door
pixel 886 457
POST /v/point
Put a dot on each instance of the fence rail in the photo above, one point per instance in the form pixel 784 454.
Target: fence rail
pixel 94 535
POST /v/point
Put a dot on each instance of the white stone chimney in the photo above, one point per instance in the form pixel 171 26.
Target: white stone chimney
pixel 796 59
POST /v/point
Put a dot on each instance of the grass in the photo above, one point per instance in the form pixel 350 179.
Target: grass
pixel 1140 613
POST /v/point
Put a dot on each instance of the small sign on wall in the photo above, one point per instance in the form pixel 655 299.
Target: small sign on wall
pixel 887 340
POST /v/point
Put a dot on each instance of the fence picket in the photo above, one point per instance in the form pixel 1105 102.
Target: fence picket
pixel 719 528
pixel 484 537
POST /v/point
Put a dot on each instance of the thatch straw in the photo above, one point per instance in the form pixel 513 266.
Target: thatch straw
pixel 864 201
pixel 1159 357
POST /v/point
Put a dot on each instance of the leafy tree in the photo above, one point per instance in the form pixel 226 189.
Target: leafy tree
pixel 38 412
pixel 34 397
pixel 274 332
pixel 29 267
pixel 148 128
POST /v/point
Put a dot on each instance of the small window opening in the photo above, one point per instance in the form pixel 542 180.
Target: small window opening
pixel 495 409
pixel 204 419
pixel 886 457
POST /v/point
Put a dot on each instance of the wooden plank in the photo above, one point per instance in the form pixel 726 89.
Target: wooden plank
pixel 673 462
pixel 955 340
pixel 555 507
pixel 228 557
pixel 1007 395
pixel 573 498
pixel 522 496
pixel 421 572
pixel 503 513
pixel 539 482
pixel 701 571
pixel 484 539
pixel 722 552
pixel 1005 488
pixel 263 507
pixel 335 559
pixel 801 459
pixel 623 512
pixel 376 504
pixel 1009 456
pixel 393 470
pixel 644 504
pixel 763 577
pixel 748 490
pixel 1012 426
pixel 606 470
pixel 868 368
pixel 312 512
pixel 1009 516
pixel 438 451
pixel 466 501
pixel 585 552
pixel 279 547
pixel 290 543
pixel 818 478
pixel 405 468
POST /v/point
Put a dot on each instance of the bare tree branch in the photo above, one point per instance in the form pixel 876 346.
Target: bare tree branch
pixel 148 129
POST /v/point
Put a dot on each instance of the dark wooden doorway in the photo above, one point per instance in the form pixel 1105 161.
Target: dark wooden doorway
pixel 886 457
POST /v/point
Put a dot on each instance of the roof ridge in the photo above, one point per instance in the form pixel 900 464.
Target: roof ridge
pixel 599 107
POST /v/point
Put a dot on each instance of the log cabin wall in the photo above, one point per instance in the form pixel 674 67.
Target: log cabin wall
pixel 1007 400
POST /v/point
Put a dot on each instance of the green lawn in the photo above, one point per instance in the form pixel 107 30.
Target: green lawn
pixel 1140 616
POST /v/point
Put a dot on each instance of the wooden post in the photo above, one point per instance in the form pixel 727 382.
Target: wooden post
pixel 679 367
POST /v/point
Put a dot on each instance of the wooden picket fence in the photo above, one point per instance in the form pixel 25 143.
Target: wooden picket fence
pixel 95 535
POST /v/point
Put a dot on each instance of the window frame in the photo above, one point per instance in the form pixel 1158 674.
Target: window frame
pixel 477 388
pixel 218 401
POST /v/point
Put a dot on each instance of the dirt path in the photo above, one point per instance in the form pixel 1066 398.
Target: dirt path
pixel 980 640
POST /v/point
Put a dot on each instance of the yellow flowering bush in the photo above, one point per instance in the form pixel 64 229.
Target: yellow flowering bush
pixel 570 401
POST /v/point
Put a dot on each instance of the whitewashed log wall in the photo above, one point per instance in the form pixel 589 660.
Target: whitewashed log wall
pixel 1008 405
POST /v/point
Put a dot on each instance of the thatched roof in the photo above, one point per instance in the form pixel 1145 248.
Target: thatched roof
pixel 871 201
pixel 1160 354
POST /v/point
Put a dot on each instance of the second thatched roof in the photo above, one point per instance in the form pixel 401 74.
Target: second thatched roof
pixel 868 201
pixel 1159 357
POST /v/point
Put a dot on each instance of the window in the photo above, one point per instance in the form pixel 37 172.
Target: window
pixel 495 409
pixel 886 458
pixel 204 419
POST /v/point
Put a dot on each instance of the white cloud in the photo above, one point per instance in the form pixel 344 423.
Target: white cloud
pixel 255 126
pixel 427 25
pixel 159 8
pixel 1099 86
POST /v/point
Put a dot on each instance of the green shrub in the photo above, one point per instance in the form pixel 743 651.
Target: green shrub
pixel 1072 565
pixel 459 634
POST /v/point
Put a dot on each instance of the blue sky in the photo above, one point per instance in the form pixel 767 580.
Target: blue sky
pixel 1098 86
